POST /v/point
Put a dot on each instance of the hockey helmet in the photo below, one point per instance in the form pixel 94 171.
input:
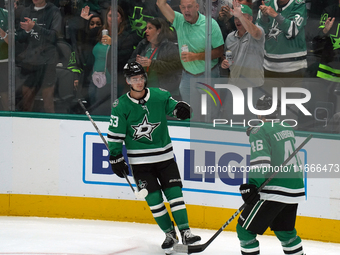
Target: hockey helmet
pixel 133 69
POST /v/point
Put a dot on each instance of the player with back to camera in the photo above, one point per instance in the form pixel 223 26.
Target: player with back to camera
pixel 138 118
pixel 276 205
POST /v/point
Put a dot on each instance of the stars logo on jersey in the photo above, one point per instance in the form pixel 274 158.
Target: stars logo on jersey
pixel 274 32
pixel 115 103
pixel 73 59
pixel 142 184
pixel 35 35
pixel 335 39
pixel 138 22
pixel 144 129
pixel 323 20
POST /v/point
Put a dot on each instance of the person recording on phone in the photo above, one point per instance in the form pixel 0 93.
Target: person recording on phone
pixel 247 47
pixel 98 95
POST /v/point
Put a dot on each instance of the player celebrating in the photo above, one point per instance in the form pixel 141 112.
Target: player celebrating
pixel 139 119
pixel 276 205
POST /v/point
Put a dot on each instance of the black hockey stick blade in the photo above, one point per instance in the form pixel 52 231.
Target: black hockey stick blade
pixel 182 248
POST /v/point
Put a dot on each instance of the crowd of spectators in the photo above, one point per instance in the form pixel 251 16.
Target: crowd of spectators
pixel 275 43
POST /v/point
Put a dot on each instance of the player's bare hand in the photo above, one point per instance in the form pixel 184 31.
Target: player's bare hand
pixel 85 13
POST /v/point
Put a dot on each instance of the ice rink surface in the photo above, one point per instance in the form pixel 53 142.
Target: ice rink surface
pixel 54 236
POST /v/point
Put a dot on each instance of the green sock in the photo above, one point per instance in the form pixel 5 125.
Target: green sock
pixel 175 197
pixel 249 244
pixel 159 211
pixel 291 243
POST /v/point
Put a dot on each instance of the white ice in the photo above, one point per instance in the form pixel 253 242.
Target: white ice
pixel 54 236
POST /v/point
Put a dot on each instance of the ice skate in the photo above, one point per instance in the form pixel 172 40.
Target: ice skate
pixel 170 240
pixel 188 237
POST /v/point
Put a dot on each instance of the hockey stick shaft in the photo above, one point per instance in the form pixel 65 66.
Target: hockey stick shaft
pixel 102 137
pixel 201 247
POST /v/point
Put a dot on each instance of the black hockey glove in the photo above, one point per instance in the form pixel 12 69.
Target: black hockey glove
pixel 118 165
pixel 249 194
pixel 182 110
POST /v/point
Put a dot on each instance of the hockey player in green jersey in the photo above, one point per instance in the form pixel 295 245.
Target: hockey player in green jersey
pixel 276 205
pixel 138 119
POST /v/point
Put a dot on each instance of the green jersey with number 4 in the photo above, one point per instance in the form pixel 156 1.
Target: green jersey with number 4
pixel 271 144
pixel 142 125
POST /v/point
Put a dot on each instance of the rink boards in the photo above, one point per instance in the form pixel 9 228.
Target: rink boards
pixel 59 168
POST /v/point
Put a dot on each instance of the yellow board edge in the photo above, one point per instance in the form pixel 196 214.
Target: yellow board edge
pixel 317 229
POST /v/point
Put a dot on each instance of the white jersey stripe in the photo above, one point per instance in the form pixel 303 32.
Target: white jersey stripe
pixel 115 140
pixel 261 158
pixel 116 134
pixel 284 189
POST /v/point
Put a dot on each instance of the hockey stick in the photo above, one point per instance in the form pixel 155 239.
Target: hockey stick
pixel 201 247
pixel 139 194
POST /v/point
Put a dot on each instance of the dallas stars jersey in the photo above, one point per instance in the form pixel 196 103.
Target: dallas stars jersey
pixel 142 126
pixel 271 144
pixel 329 67
pixel 285 46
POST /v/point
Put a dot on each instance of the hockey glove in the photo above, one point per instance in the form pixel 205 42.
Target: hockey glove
pixel 182 110
pixel 118 165
pixel 249 194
